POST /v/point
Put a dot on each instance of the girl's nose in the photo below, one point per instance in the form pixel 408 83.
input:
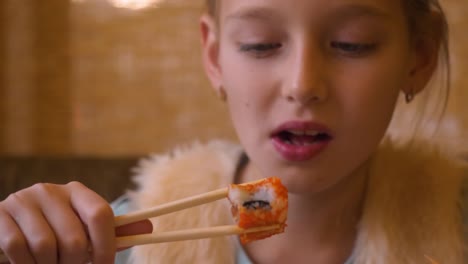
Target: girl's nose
pixel 307 83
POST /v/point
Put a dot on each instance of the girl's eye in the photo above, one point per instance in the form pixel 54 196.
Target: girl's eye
pixel 260 50
pixel 353 49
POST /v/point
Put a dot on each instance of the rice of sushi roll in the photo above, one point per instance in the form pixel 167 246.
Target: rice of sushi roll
pixel 262 203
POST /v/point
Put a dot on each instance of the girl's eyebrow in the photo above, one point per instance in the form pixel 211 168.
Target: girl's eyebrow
pixel 253 13
pixel 354 10
pixel 342 12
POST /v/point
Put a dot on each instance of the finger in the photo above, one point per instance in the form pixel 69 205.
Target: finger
pixel 72 240
pixel 12 241
pixel 98 218
pixel 39 236
pixel 137 228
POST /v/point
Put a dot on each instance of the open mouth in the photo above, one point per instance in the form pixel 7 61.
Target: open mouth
pixel 302 138
pixel 300 141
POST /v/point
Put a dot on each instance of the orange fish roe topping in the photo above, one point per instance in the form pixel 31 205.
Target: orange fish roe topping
pixel 262 203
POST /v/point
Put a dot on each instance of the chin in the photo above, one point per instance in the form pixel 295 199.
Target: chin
pixel 305 183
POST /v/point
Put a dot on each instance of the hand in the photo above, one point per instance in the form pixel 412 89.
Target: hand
pixel 49 223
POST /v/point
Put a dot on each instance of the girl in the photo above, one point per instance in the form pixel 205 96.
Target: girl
pixel 311 86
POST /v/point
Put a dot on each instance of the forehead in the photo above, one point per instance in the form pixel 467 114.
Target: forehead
pixel 308 9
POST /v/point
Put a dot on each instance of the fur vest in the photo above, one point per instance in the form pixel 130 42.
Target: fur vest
pixel 411 212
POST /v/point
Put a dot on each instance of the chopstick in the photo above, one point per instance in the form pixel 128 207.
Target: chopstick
pixel 171 207
pixel 174 206
pixel 188 234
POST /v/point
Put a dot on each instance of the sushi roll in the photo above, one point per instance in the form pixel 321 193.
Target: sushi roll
pixel 262 203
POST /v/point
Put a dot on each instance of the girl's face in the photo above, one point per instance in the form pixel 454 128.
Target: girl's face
pixel 311 84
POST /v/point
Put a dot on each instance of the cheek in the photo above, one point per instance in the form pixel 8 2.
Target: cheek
pixel 247 84
pixel 368 101
pixel 243 88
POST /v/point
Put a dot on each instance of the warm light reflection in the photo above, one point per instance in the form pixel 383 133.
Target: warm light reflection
pixel 130 4
pixel 134 4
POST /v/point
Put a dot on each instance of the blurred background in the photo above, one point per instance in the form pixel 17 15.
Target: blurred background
pixel 89 86
pixel 103 78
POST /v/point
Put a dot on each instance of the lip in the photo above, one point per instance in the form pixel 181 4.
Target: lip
pixel 300 153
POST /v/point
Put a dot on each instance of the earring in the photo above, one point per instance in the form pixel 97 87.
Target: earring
pixel 222 93
pixel 409 96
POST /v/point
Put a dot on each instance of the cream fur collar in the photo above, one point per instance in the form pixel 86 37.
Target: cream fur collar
pixel 411 209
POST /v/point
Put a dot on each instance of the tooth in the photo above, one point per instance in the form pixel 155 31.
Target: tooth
pixel 297 132
pixel 304 133
pixel 312 133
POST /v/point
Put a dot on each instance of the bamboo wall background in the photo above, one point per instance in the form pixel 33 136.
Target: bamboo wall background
pixel 84 77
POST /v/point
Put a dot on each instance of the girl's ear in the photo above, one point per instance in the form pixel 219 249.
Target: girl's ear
pixel 210 50
pixel 425 57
